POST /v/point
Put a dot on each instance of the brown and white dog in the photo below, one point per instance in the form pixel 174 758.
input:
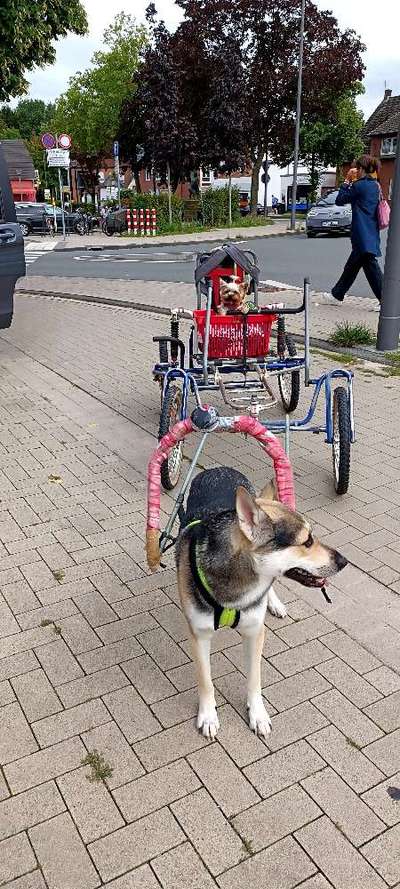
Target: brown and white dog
pixel 231 548
pixel 232 296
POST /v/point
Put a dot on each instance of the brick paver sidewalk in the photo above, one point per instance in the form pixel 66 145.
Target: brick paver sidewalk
pixel 94 654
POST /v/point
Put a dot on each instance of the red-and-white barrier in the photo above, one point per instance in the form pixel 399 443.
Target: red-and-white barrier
pixel 143 222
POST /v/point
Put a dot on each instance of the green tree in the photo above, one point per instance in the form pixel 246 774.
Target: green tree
pixel 27 31
pixel 334 140
pixel 90 108
pixel 30 116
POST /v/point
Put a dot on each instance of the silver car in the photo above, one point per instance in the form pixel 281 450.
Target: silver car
pixel 325 217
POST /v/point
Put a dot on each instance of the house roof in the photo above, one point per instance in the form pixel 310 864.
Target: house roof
pixel 378 119
pixel 18 160
pixel 391 125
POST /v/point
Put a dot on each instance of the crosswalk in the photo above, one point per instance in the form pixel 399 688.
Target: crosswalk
pixel 35 249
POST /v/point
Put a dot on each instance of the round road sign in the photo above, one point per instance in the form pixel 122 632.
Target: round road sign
pixel 48 140
pixel 64 141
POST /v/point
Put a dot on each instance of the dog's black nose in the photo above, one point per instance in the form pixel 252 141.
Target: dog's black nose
pixel 340 561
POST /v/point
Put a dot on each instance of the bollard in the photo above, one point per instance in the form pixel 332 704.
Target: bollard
pixel 148 229
pixel 135 222
pixel 154 221
pixel 128 221
pixel 389 317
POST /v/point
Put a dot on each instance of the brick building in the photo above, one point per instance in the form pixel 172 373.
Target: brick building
pixel 20 169
pixel 380 133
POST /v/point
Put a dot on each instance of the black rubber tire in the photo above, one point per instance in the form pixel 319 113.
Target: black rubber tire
pixel 341 440
pixel 105 229
pixel 311 235
pixel 170 414
pixel 290 399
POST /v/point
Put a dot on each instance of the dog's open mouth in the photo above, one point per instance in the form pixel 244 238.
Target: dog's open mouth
pixel 305 578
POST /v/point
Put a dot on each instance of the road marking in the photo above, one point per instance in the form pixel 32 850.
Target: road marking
pixel 130 259
pixel 34 250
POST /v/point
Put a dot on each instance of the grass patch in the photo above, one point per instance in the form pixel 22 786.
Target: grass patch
pixel 350 335
pixel 394 363
pixel 189 228
pixel 337 357
pixel 59 574
pixel 100 769
pixel 55 479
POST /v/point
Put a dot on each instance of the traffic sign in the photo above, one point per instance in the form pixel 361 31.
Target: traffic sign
pixel 58 157
pixel 48 140
pixel 64 141
pixel 116 149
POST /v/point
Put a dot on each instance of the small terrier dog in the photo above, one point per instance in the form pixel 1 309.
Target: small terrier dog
pixel 232 296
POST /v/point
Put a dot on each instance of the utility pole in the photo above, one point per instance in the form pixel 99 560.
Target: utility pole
pixel 389 316
pixel 298 117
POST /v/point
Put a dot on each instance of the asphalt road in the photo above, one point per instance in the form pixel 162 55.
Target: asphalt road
pixel 284 259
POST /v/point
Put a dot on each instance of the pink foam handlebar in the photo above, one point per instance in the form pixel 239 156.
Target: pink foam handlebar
pixel 244 424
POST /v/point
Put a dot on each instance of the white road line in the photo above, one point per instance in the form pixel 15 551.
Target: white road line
pixel 34 250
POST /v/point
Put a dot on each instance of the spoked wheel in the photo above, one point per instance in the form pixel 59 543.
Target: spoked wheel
pixel 170 414
pixel 289 383
pixel 341 440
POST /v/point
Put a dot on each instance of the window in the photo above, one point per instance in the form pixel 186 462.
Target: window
pixel 149 174
pixel 389 145
pixel 206 176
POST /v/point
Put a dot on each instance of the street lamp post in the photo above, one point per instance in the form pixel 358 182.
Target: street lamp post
pixel 298 117
pixel 389 317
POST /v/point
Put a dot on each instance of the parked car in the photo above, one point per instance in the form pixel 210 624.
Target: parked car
pixel 244 203
pixel 38 218
pixel 12 258
pixel 325 217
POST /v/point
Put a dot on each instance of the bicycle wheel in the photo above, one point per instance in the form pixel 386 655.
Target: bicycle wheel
pixel 289 383
pixel 170 414
pixel 341 440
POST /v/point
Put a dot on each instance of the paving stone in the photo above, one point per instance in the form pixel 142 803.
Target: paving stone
pixel 180 868
pixel 108 740
pixel 336 857
pixel 384 679
pixel 8 624
pixel 275 818
pixel 242 745
pixel 304 630
pixel 4 791
pixel 317 882
pixel 137 604
pixel 268 672
pixel 70 722
pixel 16 664
pixel 300 687
pixel 140 878
pixel 344 756
pixel 286 767
pixel 301 657
pixel 383 801
pixel 78 634
pixel 352 817
pixel 294 724
pixel 90 804
pixel 36 695
pixel 135 844
pixel 386 713
pixel 351 652
pixel 224 639
pixel 93 686
pixel 160 788
pixel 134 718
pixel 211 834
pixel 171 618
pixel 347 718
pixel 16 738
pixel 26 640
pixel 385 753
pixel 33 880
pixel 281 866
pixel 6 693
pixel 169 745
pixel 62 855
pixel 38 575
pixel 52 613
pixel 94 608
pixel 162 649
pixel 108 655
pixel 123 629
pixel 16 858
pixel 148 679
pixel 383 854
pixel 58 662
pixel 350 683
pixel 44 765
pixel 26 809
pixel 224 781
pixel 60 591
pixel 19 596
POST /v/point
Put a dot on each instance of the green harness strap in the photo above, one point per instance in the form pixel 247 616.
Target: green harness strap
pixel 223 617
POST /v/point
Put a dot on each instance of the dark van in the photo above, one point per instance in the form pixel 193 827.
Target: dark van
pixel 12 258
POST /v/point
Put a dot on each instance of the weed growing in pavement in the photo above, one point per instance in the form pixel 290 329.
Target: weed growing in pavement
pixel 394 363
pixel 55 479
pixel 342 357
pixel 346 334
pixel 247 846
pixel 46 622
pixel 100 768
pixel 58 574
pixel 352 743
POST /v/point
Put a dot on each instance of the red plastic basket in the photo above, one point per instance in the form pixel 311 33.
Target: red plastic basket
pixel 235 336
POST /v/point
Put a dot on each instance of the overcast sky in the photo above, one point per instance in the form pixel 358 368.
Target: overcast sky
pixel 379 30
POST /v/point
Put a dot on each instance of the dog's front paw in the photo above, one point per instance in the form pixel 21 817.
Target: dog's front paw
pixel 275 606
pixel 259 720
pixel 208 722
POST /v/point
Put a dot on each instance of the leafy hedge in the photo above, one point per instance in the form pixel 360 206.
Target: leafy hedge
pixel 215 206
pixel 212 206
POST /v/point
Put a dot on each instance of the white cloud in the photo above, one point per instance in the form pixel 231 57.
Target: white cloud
pixel 379 30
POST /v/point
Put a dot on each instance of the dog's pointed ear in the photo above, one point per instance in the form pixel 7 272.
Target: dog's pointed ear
pixel 247 512
pixel 269 492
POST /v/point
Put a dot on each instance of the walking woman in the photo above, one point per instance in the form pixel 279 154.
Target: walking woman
pixel 362 191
